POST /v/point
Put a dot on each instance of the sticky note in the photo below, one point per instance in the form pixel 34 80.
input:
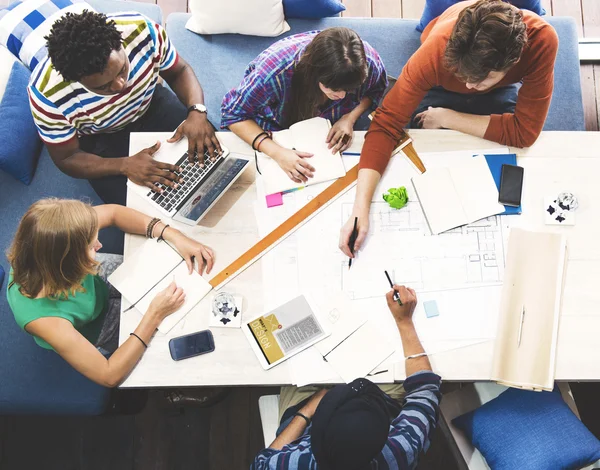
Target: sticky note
pixel 274 200
pixel 431 308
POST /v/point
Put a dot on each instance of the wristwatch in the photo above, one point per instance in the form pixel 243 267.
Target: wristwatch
pixel 197 107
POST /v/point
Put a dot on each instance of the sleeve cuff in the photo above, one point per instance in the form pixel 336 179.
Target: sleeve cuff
pixel 421 378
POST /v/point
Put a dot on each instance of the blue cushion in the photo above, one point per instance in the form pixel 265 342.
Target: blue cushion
pixel 24 24
pixel 529 431
pixel 312 8
pixel 20 141
pixel 1 276
pixel 434 8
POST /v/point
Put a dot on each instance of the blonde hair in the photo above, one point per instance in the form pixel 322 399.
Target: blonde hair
pixel 50 251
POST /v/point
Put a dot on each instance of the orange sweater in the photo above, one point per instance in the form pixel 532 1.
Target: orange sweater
pixel 425 70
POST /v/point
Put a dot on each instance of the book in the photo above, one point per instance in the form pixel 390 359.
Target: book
pixel 525 345
pixel 149 270
pixel 284 331
pixel 495 162
pixel 458 195
pixel 306 136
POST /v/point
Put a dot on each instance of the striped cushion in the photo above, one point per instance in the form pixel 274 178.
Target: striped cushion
pixel 23 26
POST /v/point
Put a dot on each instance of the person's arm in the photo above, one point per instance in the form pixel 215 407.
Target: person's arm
pixel 412 428
pixel 131 221
pixel 83 355
pixel 197 128
pixel 443 118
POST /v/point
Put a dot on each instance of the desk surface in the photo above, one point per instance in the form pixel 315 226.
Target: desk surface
pixel 558 161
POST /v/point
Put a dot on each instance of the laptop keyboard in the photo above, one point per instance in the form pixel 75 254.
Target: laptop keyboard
pixel 192 174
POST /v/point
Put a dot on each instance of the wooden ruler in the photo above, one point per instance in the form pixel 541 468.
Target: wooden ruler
pixel 311 209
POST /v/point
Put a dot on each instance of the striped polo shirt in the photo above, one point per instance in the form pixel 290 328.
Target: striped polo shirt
pixel 62 109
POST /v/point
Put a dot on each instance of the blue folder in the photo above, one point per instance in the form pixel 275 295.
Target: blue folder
pixel 495 163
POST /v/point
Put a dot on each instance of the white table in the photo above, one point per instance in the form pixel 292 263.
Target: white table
pixel 558 161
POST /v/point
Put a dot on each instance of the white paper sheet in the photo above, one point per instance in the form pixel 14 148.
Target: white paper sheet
pixel 458 194
pixel 360 353
pixel 150 270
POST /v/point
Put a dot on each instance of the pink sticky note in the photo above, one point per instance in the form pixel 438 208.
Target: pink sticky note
pixel 274 200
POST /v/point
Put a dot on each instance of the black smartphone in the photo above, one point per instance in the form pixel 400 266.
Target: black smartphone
pixel 511 185
pixel 191 345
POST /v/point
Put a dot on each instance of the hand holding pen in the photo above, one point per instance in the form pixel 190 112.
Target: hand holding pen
pixel 401 301
pixel 396 294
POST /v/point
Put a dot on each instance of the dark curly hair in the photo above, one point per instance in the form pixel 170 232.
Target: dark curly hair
pixel 79 45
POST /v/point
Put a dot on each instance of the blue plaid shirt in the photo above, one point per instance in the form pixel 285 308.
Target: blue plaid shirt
pixel 409 433
pixel 262 96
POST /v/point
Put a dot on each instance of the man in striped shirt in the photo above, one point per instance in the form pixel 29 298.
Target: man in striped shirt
pixel 99 83
pixel 357 426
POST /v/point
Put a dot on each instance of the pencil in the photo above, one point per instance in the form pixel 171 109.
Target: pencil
pixel 352 241
pixel 396 295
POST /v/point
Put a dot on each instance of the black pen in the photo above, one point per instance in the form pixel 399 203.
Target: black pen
pixel 352 241
pixel 396 295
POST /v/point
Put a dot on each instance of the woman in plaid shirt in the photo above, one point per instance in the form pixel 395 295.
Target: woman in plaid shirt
pixel 332 74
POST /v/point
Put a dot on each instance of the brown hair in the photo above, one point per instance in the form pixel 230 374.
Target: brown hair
pixel 50 250
pixel 336 58
pixel 488 36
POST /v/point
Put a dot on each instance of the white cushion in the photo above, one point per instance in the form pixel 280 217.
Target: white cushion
pixel 6 63
pixel 250 17
pixel 268 407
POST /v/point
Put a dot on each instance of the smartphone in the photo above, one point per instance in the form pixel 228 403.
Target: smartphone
pixel 511 185
pixel 191 345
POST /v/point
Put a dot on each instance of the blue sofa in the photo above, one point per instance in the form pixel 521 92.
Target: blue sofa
pixel 36 381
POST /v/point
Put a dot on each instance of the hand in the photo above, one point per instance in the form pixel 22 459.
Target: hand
pixel 433 118
pixel 341 134
pixel 201 136
pixel 142 169
pixel 409 302
pixel 167 301
pixel 295 165
pixel 192 250
pixel 311 406
pixel 346 231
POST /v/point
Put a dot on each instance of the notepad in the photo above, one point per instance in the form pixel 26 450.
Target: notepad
pixel 149 271
pixel 454 196
pixel 306 136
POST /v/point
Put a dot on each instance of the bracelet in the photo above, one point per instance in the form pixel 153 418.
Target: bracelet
pixel 267 133
pixel 302 416
pixel 414 356
pixel 261 141
pixel 160 237
pixel 142 341
pixel 150 227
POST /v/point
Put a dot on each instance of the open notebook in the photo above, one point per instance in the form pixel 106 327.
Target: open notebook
pixel 525 347
pixel 150 270
pixel 306 136
pixel 457 195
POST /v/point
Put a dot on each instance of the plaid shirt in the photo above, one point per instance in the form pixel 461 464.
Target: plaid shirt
pixel 263 93
pixel 409 433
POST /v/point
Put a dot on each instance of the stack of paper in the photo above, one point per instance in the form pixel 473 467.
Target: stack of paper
pixel 457 195
pixel 525 348
pixel 306 136
pixel 150 270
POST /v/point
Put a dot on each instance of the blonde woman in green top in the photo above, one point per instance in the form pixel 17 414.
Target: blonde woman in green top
pixel 57 296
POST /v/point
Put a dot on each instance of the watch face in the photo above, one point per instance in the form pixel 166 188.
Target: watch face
pixel 199 107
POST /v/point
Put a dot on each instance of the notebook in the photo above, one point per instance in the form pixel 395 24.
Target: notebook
pixel 495 162
pixel 459 195
pixel 307 136
pixel 525 346
pixel 150 270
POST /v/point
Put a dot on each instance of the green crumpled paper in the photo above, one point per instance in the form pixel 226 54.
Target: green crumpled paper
pixel 396 197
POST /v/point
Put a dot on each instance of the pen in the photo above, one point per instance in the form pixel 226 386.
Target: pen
pixel 521 325
pixel 396 295
pixel 352 241
pixel 357 154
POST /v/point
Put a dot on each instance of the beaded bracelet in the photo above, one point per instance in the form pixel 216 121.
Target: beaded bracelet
pixel 150 227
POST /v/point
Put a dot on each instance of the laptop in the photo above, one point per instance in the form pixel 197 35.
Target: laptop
pixel 202 187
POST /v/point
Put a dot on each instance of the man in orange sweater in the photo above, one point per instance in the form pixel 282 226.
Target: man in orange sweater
pixel 468 57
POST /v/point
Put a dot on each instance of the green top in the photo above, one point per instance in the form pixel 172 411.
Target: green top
pixel 85 310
